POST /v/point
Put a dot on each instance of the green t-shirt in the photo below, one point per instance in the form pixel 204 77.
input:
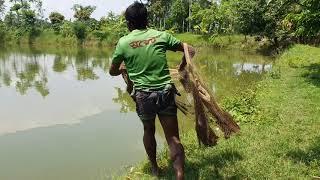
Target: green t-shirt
pixel 144 54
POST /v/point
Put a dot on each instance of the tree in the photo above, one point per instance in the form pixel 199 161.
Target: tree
pixel 2 7
pixel 158 10
pixel 83 13
pixel 10 19
pixel 2 33
pixel 23 18
pixel 29 18
pixel 38 8
pixel 56 18
pixel 178 14
pixel 67 29
pixel 56 21
pixel 205 20
pixel 304 21
pixel 226 17
pixel 80 30
pixel 250 16
pixel 111 28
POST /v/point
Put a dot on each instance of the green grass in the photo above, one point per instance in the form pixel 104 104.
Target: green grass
pixel 221 41
pixel 49 38
pixel 281 143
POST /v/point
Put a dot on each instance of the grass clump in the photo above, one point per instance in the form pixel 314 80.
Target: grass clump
pixel 281 140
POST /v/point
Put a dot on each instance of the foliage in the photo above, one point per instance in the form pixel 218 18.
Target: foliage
pixel 304 20
pixel 23 19
pixel 243 107
pixel 67 29
pixel 279 21
pixel 29 18
pixel 112 27
pixel 56 21
pixel 250 16
pixel 80 31
pixel 2 7
pixel 179 13
pixel 83 13
pixel 157 12
pixel 2 33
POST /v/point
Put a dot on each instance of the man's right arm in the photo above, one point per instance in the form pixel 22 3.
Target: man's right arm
pixel 117 64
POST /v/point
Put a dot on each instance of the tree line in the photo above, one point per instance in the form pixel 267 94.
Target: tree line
pixel 276 20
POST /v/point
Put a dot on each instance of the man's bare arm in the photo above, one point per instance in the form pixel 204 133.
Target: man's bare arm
pixel 192 51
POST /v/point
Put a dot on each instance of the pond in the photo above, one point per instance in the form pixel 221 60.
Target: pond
pixel 63 117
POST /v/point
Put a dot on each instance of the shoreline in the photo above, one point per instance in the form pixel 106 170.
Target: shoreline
pixel 49 39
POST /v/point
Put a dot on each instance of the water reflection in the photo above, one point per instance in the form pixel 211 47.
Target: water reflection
pixel 124 99
pixel 251 68
pixel 71 84
pixel 29 70
pixel 24 72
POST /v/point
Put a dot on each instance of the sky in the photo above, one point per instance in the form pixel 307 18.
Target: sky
pixel 102 6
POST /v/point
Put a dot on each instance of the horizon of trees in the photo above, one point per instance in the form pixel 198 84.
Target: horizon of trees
pixel 277 20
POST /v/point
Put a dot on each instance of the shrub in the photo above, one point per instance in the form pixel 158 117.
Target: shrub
pixel 80 30
pixel 66 29
pixel 2 33
pixel 243 107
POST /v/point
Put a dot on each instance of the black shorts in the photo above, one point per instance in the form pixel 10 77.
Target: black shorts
pixel 152 103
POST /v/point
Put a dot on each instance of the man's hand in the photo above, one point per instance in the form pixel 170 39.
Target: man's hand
pixel 192 53
pixel 115 69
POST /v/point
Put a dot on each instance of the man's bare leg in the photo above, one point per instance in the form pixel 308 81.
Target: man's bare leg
pixel 150 144
pixel 170 128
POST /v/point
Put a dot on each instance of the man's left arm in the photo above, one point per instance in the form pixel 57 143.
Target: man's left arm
pixel 117 64
pixel 174 44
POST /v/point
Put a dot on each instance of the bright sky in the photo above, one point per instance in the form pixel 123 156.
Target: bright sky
pixel 103 6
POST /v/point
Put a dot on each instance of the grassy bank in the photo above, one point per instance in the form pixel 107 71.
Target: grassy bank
pixel 50 39
pixel 280 139
pixel 223 41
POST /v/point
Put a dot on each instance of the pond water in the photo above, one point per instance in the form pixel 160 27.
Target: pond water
pixel 63 117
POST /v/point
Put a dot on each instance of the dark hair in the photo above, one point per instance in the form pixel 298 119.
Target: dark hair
pixel 137 16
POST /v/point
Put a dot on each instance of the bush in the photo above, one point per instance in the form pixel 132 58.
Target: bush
pixel 66 29
pixel 80 30
pixel 100 35
pixel 243 107
pixel 2 33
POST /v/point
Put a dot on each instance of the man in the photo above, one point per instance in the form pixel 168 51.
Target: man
pixel 143 51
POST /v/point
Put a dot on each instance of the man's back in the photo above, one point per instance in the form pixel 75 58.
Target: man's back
pixel 144 54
